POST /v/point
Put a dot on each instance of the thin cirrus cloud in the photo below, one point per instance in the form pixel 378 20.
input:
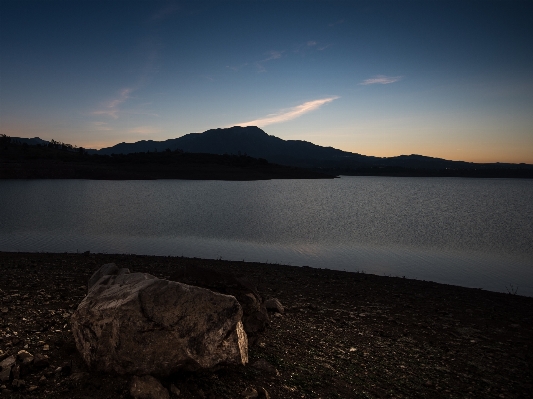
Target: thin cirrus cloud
pixel 144 130
pixel 165 12
pixel 102 126
pixel 289 114
pixel 381 80
pixel 112 108
pixel 273 55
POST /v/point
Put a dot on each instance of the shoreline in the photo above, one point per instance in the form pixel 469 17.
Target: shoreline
pixel 344 334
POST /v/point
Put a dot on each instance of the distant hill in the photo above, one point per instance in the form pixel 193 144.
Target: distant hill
pixel 254 142
pixel 38 159
pixel 33 141
pixel 244 140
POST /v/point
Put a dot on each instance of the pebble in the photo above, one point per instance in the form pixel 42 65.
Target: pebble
pixel 275 305
pixel 263 365
pixel 263 393
pixel 249 393
pixel 18 383
pixel 174 390
pixel 147 387
pixel 5 368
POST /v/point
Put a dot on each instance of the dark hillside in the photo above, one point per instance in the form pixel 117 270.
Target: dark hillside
pixel 63 161
pixel 255 142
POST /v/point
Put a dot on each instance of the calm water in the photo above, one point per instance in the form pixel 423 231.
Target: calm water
pixel 470 232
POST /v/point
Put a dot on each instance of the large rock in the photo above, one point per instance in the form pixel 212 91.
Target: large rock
pixel 255 315
pixel 135 323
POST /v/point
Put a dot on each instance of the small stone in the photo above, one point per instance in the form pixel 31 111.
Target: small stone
pixel 249 393
pixel 46 347
pixel 18 383
pixel 5 310
pixel 15 371
pixel 174 390
pixel 5 368
pixel 40 361
pixel 273 304
pixel 42 380
pixel 263 365
pixel 32 388
pixel 263 394
pixel 25 357
pixel 79 376
pixel 147 387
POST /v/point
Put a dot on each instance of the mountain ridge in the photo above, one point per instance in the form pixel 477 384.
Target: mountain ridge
pixel 255 142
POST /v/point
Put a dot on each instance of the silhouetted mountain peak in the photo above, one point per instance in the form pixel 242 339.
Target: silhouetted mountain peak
pixel 237 131
pixel 253 141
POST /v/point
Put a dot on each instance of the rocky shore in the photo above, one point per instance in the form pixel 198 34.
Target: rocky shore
pixel 341 335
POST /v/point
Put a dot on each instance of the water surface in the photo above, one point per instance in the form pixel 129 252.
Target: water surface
pixel 469 232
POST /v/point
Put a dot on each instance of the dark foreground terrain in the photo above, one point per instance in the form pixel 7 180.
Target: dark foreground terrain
pixel 63 161
pixel 344 335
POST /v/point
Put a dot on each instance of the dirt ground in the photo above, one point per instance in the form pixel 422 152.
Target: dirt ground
pixel 343 335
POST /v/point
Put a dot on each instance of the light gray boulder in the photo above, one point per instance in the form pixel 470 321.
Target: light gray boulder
pixel 135 323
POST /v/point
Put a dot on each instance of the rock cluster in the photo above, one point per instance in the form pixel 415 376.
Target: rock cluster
pixel 135 323
pixel 16 368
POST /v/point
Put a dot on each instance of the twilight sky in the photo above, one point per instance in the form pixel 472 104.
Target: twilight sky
pixel 438 78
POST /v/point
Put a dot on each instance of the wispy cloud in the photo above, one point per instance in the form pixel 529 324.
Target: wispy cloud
pixel 238 67
pixel 102 126
pixel 380 79
pixel 289 114
pixel 112 107
pixel 339 22
pixel 310 46
pixel 273 55
pixel 144 130
pixel 164 12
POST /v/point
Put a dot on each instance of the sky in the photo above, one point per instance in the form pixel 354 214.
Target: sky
pixel 444 79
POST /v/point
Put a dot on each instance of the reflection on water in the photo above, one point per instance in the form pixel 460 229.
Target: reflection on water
pixel 470 232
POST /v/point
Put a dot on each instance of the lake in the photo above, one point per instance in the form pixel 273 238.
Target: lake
pixel 469 232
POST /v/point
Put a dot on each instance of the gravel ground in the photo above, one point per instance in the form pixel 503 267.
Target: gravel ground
pixel 343 335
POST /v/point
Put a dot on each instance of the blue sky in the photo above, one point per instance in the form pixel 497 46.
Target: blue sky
pixel 438 78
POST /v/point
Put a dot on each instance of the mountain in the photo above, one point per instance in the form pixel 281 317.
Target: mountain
pixel 245 140
pixel 256 143
pixel 55 160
